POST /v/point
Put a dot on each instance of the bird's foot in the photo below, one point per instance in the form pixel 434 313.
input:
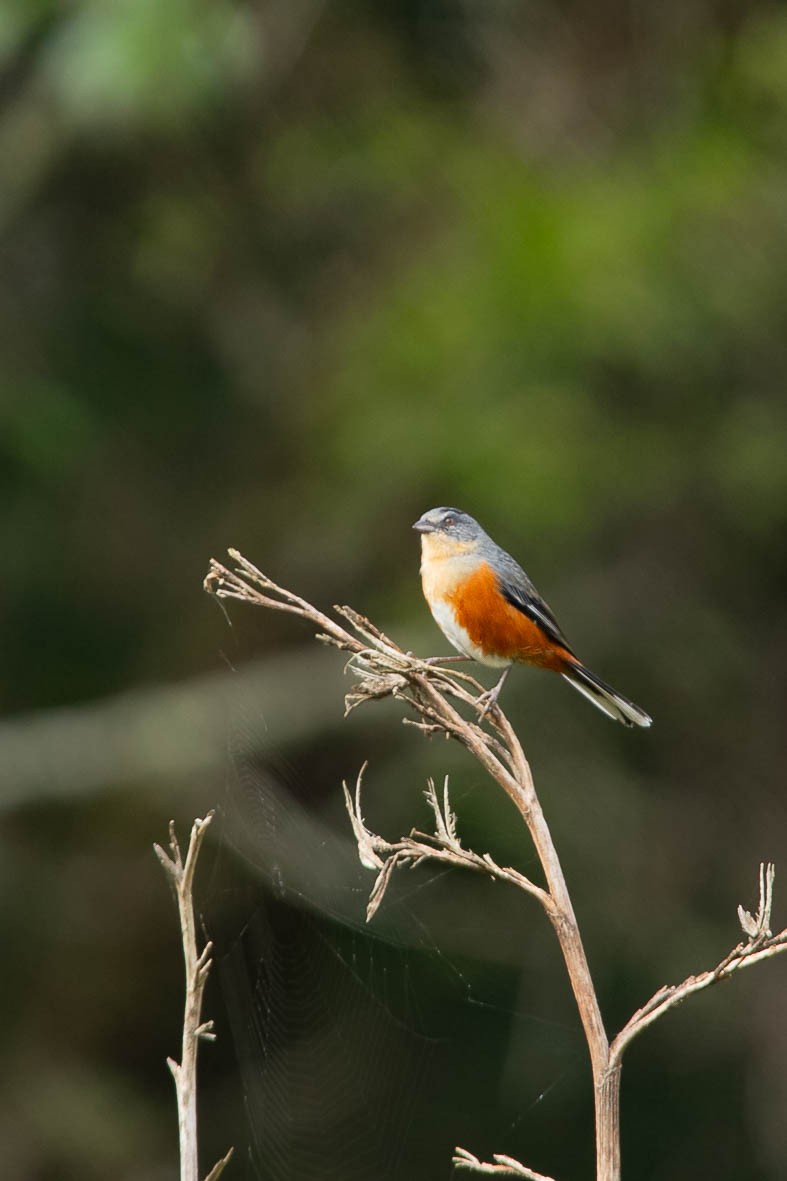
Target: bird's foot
pixel 487 701
pixel 444 659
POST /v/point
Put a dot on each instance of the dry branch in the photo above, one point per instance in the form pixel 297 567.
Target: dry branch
pixel 442 846
pixel 761 945
pixel 501 1166
pixel 197 965
pixel 382 669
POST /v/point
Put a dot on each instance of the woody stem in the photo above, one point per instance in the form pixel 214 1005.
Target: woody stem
pixel 518 785
pixel 606 1082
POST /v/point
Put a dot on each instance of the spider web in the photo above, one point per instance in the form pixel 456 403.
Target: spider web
pixel 360 1048
pixel 330 1079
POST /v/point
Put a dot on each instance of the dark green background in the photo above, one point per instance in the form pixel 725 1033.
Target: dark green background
pixel 282 276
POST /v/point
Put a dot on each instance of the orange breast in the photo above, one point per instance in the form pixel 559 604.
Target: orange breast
pixel 500 629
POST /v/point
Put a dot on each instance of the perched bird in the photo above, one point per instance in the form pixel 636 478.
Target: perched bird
pixel 488 608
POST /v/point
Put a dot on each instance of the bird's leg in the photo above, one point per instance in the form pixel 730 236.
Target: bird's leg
pixel 488 699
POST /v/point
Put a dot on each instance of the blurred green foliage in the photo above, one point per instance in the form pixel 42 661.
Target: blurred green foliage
pixel 282 275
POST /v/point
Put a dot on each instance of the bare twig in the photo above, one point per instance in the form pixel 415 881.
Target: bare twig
pixel 442 846
pixel 757 927
pixel 197 965
pixel 220 1166
pixel 382 669
pixel 760 946
pixel 504 1166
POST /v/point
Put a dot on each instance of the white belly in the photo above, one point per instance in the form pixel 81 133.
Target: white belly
pixel 444 618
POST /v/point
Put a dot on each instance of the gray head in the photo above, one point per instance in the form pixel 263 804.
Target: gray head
pixel 450 523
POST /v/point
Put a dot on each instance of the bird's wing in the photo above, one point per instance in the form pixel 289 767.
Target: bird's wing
pixel 518 590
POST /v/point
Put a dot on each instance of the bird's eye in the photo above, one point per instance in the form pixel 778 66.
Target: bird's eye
pixel 449 521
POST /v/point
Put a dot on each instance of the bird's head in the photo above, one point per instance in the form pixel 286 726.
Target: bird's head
pixel 446 531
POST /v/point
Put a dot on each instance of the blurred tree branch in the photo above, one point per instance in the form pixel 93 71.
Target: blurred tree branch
pixel 98 746
pixel 382 669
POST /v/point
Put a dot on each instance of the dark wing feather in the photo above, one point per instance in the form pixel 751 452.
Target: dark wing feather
pixel 518 590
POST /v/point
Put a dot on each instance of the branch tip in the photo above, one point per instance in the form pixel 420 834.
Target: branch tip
pixel 219 1167
pixel 501 1165
pixel 761 945
pixel 366 841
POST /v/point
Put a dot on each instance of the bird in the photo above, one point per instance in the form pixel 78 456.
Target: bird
pixel 489 610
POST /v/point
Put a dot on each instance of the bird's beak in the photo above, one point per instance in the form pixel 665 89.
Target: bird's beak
pixel 422 525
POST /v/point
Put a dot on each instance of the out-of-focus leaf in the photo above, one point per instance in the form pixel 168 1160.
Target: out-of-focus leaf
pixel 139 61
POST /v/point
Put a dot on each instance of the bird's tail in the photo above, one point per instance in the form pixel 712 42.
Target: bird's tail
pixel 604 697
